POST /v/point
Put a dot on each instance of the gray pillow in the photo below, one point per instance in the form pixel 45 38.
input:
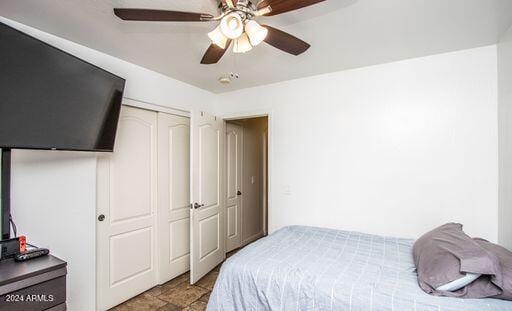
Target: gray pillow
pixel 505 258
pixel 446 254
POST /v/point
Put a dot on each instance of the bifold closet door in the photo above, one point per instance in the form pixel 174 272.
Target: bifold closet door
pixel 173 196
pixel 234 141
pixel 126 221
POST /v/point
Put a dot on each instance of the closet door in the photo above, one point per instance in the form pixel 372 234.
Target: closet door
pixel 126 261
pixel 234 140
pixel 173 196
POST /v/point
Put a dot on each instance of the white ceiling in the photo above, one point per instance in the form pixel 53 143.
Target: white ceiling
pixel 344 34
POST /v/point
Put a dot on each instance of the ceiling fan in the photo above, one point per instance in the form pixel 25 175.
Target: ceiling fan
pixel 237 25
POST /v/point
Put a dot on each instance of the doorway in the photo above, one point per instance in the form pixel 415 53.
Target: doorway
pixel 246 181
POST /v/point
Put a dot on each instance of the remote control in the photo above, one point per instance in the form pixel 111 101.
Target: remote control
pixel 31 254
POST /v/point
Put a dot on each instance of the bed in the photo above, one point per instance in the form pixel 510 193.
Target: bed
pixel 306 268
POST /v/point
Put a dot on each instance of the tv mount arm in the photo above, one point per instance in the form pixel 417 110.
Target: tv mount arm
pixel 6 194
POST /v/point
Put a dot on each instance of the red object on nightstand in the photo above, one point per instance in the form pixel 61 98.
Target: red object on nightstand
pixel 23 244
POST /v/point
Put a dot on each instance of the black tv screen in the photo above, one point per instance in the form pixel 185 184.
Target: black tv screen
pixel 50 99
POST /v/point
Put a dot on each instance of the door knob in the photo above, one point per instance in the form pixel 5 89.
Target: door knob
pixel 197 205
pixel 101 217
pixel 239 192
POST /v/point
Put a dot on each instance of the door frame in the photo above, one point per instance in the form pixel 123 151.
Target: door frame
pixel 265 181
pixel 255 114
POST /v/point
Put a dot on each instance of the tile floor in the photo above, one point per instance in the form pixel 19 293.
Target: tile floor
pixel 176 294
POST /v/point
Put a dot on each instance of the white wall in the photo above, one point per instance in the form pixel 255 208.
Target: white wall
pixel 505 138
pixel 54 193
pixel 54 205
pixel 395 149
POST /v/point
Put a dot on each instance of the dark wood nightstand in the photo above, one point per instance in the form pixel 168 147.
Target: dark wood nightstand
pixel 33 285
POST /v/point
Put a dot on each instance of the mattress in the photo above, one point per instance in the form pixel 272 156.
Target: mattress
pixel 306 268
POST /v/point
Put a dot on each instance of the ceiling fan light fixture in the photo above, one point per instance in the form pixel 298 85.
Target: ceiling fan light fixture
pixel 235 25
pixel 242 44
pixel 256 32
pixel 218 38
pixel 232 26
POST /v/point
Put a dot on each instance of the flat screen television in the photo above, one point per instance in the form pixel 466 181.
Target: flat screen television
pixel 50 99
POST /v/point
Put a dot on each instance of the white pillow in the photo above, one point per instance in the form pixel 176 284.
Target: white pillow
pixel 459 283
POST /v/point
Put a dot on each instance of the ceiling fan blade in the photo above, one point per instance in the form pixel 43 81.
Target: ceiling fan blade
pixel 283 6
pixel 214 54
pixel 161 15
pixel 285 42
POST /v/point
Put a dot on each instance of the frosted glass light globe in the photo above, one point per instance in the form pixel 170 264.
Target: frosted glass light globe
pixel 232 26
pixel 256 32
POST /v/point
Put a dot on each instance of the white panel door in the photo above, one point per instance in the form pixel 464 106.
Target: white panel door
pixel 126 261
pixel 173 196
pixel 207 219
pixel 234 140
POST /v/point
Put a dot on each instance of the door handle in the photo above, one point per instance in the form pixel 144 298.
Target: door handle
pixel 101 217
pixel 239 192
pixel 197 205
